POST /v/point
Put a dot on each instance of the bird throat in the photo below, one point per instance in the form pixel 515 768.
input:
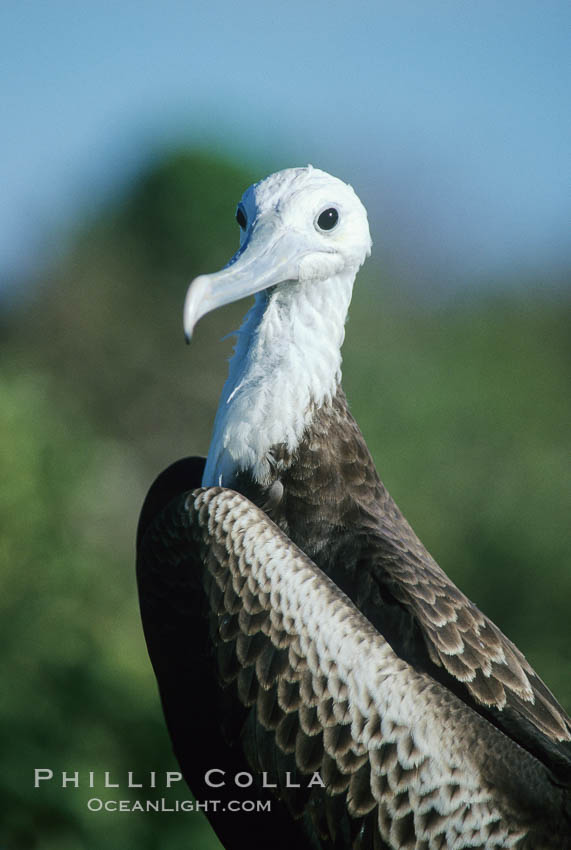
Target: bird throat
pixel 286 365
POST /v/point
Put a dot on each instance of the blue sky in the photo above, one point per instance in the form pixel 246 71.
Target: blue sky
pixel 451 119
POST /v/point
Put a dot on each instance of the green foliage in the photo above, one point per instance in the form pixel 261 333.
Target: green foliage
pixel 81 696
pixel 465 409
pixel 166 213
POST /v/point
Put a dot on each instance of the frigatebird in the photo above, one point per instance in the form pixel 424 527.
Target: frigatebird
pixel 313 660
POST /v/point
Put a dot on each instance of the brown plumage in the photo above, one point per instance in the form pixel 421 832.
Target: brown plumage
pixel 336 509
pixel 289 704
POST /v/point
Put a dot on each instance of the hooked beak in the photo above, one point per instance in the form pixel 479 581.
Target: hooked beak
pixel 269 257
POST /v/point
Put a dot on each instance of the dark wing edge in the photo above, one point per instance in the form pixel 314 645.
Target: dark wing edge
pixel 174 613
pixel 181 476
pixel 481 664
pixel 319 690
pixel 473 650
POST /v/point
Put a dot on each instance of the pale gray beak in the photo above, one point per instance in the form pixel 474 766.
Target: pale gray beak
pixel 269 257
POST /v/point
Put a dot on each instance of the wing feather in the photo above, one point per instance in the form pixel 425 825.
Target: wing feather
pixel 482 664
pixel 462 640
pixel 324 691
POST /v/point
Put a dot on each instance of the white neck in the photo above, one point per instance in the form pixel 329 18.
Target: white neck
pixel 286 362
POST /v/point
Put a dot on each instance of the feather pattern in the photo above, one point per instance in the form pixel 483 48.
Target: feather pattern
pixel 342 516
pixel 414 765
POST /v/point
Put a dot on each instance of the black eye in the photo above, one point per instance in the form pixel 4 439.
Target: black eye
pixel 241 218
pixel 328 219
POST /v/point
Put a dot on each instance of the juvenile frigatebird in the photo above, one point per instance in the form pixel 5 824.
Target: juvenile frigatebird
pixel 303 639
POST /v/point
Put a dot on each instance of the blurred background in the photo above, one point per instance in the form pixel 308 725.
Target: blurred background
pixel 130 131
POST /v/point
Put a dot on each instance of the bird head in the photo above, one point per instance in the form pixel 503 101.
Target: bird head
pixel 299 225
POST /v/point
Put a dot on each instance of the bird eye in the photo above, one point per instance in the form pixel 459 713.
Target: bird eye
pixel 241 217
pixel 327 219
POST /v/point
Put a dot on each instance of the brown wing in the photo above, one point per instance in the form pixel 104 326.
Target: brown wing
pixel 337 510
pixel 312 687
pixel 461 639
pixel 204 726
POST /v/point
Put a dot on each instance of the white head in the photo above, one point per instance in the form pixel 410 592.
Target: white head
pixel 304 235
pixel 300 224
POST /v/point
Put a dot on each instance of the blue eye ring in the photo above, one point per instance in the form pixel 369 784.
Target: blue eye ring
pixel 241 217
